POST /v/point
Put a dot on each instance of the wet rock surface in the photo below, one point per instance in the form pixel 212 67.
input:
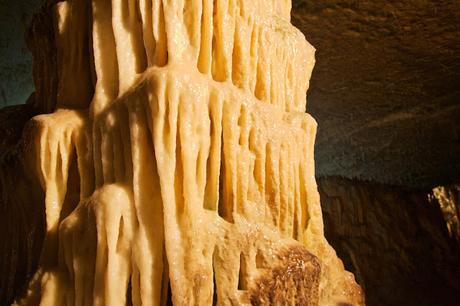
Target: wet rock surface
pixel 395 240
pixel 385 93
pixel 384 90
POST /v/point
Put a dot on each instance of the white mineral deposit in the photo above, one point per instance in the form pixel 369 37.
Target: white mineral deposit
pixel 177 160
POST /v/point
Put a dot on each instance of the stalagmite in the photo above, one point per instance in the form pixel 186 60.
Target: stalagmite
pixel 176 157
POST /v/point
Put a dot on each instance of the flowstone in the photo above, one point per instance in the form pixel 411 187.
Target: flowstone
pixel 176 158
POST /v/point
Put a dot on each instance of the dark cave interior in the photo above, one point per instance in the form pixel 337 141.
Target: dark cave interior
pixel 385 92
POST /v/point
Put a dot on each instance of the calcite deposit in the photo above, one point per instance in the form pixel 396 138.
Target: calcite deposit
pixel 448 198
pixel 173 159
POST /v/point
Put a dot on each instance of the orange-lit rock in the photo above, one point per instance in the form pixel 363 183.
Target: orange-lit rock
pixel 173 151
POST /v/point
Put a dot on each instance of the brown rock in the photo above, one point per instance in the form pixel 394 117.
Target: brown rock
pixel 394 240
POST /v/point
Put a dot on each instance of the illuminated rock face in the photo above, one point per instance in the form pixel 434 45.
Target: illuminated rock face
pixel 449 201
pixel 178 155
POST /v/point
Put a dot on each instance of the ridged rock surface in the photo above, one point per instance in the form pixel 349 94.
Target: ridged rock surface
pixel 449 199
pixel 385 88
pixel 394 239
pixel 172 159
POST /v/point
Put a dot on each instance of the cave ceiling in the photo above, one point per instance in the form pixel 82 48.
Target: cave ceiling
pixel 385 90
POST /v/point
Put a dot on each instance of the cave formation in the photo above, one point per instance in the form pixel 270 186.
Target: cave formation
pixel 173 158
pixel 84 162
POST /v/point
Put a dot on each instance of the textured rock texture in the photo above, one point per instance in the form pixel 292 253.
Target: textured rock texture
pixel 15 61
pixel 385 93
pixel 22 217
pixel 172 150
pixel 395 241
pixel 449 200
pixel 385 86
pixel 385 90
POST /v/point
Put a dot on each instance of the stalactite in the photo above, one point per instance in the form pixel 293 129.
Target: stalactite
pixel 184 123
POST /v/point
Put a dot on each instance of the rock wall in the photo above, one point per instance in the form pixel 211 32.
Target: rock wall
pixel 15 61
pixel 22 219
pixel 395 241
pixel 385 87
pixel 449 200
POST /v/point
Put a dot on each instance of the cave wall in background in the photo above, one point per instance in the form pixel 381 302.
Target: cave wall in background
pixel 16 82
pixel 394 240
pixel 22 219
pixel 385 90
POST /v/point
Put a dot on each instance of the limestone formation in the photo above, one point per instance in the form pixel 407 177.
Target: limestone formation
pixel 448 198
pixel 175 158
